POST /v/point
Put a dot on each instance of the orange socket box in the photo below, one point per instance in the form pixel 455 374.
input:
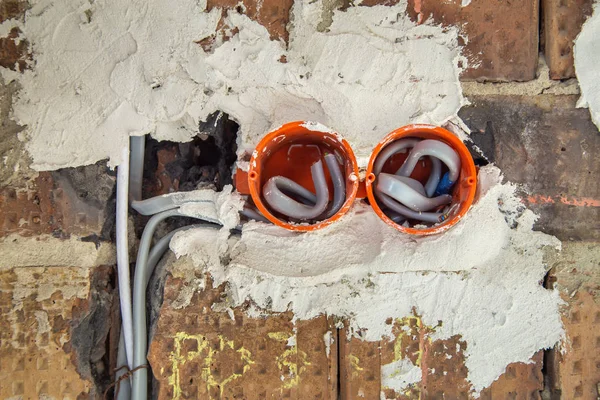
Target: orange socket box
pixel 291 150
pixel 463 191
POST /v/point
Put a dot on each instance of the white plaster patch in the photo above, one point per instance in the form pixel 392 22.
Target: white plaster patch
pixel 481 278
pixel 328 340
pixel 587 59
pixel 109 69
pixel 399 374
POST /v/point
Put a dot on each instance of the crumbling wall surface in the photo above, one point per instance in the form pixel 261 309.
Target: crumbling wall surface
pixel 242 325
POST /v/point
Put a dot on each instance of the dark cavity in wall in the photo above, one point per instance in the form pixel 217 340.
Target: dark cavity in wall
pixel 204 162
pixel 90 327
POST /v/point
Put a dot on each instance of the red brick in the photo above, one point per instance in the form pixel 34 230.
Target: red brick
pixel 36 308
pixel 14 52
pixel 200 353
pixel 502 36
pixel 442 362
pixel 12 9
pixel 562 23
pixel 57 203
pixel 575 372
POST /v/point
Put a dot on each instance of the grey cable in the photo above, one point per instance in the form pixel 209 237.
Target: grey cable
pixel 435 176
pixel 137 148
pixel 280 202
pixel 390 203
pixel 392 149
pixel 140 377
pixel 253 214
pixel 436 149
pixel 339 184
pixel 123 388
pixel 402 192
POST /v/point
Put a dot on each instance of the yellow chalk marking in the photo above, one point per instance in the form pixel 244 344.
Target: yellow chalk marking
pixel 178 360
pixel 289 359
pixel 355 365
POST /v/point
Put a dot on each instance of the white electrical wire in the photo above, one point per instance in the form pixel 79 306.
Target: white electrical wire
pixel 123 253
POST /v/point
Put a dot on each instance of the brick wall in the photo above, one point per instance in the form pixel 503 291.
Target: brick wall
pixel 58 341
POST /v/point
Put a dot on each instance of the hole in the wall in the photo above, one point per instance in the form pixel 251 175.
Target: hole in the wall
pixel 204 162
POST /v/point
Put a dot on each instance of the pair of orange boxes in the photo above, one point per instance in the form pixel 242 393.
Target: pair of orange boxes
pixel 290 151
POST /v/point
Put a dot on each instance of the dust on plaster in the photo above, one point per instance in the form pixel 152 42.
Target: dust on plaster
pixel 480 278
pixel 587 58
pixel 46 250
pixel 135 67
pixel 542 84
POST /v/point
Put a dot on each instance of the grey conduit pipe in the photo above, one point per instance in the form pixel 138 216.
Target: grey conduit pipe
pixel 401 145
pixel 162 245
pixel 253 214
pixel 123 388
pixel 435 176
pixel 433 148
pixel 143 272
pixel 404 193
pixel 136 166
pixel 432 217
pixel 139 385
pixel 390 150
pixel 280 202
pixel 339 184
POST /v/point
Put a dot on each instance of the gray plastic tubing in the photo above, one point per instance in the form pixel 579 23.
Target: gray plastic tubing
pixel 143 271
pixel 404 193
pixel 433 148
pixel 390 150
pixel 137 147
pixel 393 205
pixel 280 202
pixel 250 213
pixel 139 387
pixel 339 184
pixel 124 387
pixel 435 176
pixel 403 144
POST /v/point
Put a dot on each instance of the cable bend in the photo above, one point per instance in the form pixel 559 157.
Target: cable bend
pixel 339 185
pixel 390 150
pixel 274 195
pixel 395 187
pixel 433 148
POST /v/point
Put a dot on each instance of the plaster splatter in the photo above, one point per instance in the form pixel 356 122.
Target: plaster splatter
pixel 481 278
pixel 109 69
pixel 587 58
pixel 399 374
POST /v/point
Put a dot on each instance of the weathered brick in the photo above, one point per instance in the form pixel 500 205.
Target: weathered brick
pixel 201 353
pixel 562 23
pixel 578 368
pixel 546 144
pixel 14 51
pixel 520 381
pixel 574 366
pixel 442 364
pixel 502 37
pixel 70 201
pixel 274 15
pixel 12 9
pixel 42 354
